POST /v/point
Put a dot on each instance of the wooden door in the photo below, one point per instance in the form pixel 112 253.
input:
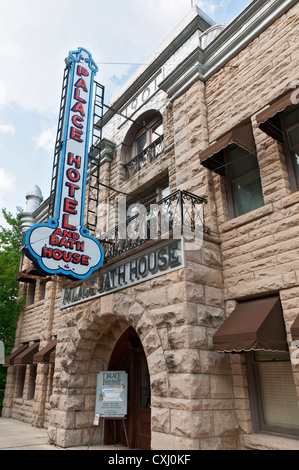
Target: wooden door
pixel 128 355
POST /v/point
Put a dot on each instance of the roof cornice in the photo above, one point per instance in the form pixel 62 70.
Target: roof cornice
pixel 202 64
pixel 196 20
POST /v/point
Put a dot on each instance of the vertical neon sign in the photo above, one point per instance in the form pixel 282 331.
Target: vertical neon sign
pixel 63 245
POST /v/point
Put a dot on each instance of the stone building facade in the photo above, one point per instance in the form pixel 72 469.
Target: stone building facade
pixel 205 322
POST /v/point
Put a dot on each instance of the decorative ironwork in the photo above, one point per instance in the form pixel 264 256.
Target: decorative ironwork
pixel 148 155
pixel 58 144
pixel 166 219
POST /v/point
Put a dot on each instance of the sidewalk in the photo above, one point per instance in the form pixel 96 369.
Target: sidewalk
pixel 16 435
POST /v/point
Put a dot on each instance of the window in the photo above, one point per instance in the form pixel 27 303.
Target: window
pixel 273 394
pixel 50 382
pixel 145 137
pixel 141 143
pixel 42 290
pixel 21 374
pixel 146 205
pixel 31 293
pixel 234 156
pixel 148 197
pixel 32 380
pixel 290 126
pixel 243 181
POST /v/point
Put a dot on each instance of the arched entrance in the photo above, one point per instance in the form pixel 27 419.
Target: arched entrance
pixel 128 355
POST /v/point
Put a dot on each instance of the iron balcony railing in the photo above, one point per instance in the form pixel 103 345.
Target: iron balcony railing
pixel 148 155
pixel 168 218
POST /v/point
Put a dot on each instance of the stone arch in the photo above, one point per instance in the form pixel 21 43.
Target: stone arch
pixel 85 348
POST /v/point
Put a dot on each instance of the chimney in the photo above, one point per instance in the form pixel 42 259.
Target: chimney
pixel 34 199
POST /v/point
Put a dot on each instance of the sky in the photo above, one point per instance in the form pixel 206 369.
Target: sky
pixel 35 38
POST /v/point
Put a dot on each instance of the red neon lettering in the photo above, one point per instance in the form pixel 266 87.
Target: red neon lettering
pixel 82 71
pixel 57 232
pixel 54 240
pixel 73 175
pixel 81 84
pixel 78 108
pixel 65 222
pixel 57 254
pixel 70 206
pixel 76 258
pixel 46 252
pixel 75 120
pixel 71 159
pixel 80 246
pixel 67 234
pixel 84 260
pixel 76 134
pixel 77 96
pixel 72 244
pixel 72 188
pixel 67 257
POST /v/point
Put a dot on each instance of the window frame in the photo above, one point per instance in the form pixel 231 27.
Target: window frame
pixel 229 180
pixel 288 151
pixel 42 290
pixel 256 405
pixel 20 381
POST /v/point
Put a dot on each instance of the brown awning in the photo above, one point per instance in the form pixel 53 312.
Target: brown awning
pixel 213 158
pixel 295 329
pixel 253 325
pixel 9 361
pixel 268 120
pixel 26 357
pixel 43 356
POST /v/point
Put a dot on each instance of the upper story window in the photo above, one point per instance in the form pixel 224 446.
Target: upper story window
pixel 144 142
pixel 152 131
pixel 148 198
pixel 243 181
pixel 234 157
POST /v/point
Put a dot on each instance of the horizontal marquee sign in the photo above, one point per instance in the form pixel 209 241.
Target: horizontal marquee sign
pixel 63 245
pixel 133 270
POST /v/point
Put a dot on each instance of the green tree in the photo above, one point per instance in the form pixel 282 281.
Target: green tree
pixel 10 304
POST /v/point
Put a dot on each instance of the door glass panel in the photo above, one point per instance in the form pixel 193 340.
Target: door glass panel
pixel 165 190
pixel 145 389
pixel 141 143
pixel 296 155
